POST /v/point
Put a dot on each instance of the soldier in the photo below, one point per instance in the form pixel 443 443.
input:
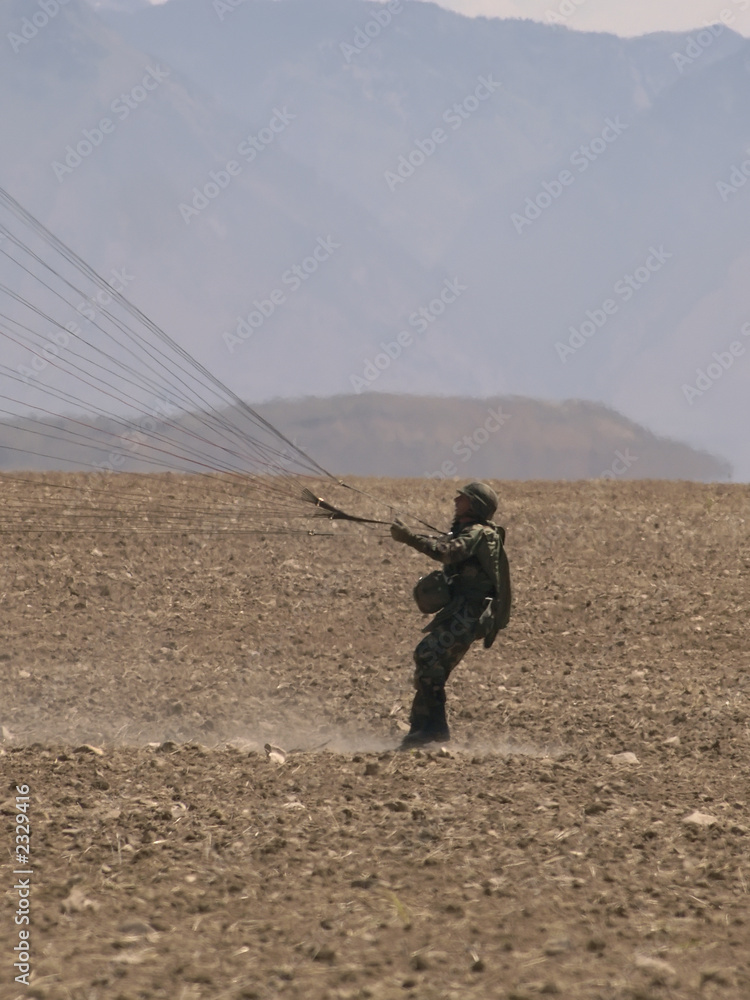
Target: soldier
pixel 478 604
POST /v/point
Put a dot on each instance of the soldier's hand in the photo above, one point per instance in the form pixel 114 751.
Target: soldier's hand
pixel 399 532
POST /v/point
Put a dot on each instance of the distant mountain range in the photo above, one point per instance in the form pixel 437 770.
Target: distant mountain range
pixel 379 434
pixel 496 207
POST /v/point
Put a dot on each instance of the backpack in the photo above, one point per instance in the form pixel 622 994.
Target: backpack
pixel 495 563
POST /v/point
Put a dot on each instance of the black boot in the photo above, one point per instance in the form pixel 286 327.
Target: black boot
pixel 437 724
pixel 418 720
pixel 427 718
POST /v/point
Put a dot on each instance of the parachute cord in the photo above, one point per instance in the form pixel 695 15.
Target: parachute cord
pixel 397 510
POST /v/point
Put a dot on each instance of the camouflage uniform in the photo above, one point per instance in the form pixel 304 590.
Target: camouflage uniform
pixel 474 560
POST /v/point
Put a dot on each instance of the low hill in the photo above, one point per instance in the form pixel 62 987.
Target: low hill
pixel 500 438
pixel 378 434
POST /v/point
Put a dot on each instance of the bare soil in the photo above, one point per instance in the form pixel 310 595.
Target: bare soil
pixel 585 834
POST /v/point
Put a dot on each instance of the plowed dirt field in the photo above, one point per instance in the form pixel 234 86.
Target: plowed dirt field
pixel 586 833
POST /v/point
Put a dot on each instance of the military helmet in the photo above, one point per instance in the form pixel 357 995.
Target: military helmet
pixel 483 499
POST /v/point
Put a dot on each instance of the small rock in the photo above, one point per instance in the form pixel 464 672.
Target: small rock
pixel 77 902
pixel 134 957
pixel 672 741
pixel 364 883
pixel 626 757
pixel 597 945
pixel 719 976
pixel 595 808
pixel 700 819
pixel 285 972
pixel 276 754
pixel 557 946
pixel 660 970
pixel 371 768
pixel 398 806
pixel 136 928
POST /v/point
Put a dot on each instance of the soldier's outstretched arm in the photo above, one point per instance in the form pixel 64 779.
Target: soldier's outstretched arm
pixel 446 551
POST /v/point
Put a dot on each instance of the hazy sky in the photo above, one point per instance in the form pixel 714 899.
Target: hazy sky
pixel 623 17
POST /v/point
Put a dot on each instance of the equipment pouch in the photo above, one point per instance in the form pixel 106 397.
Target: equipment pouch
pixel 432 592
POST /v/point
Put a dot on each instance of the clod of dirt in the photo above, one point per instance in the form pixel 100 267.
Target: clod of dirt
pixel 77 902
pixel 699 819
pixel 661 972
pixel 276 754
pixel 136 928
pixel 557 946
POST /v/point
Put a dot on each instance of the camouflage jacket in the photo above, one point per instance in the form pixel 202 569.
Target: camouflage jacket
pixel 477 566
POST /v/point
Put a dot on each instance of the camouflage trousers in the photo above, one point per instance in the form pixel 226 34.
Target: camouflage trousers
pixel 441 650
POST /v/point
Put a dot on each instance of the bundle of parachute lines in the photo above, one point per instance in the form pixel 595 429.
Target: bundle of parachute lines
pixel 106 392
